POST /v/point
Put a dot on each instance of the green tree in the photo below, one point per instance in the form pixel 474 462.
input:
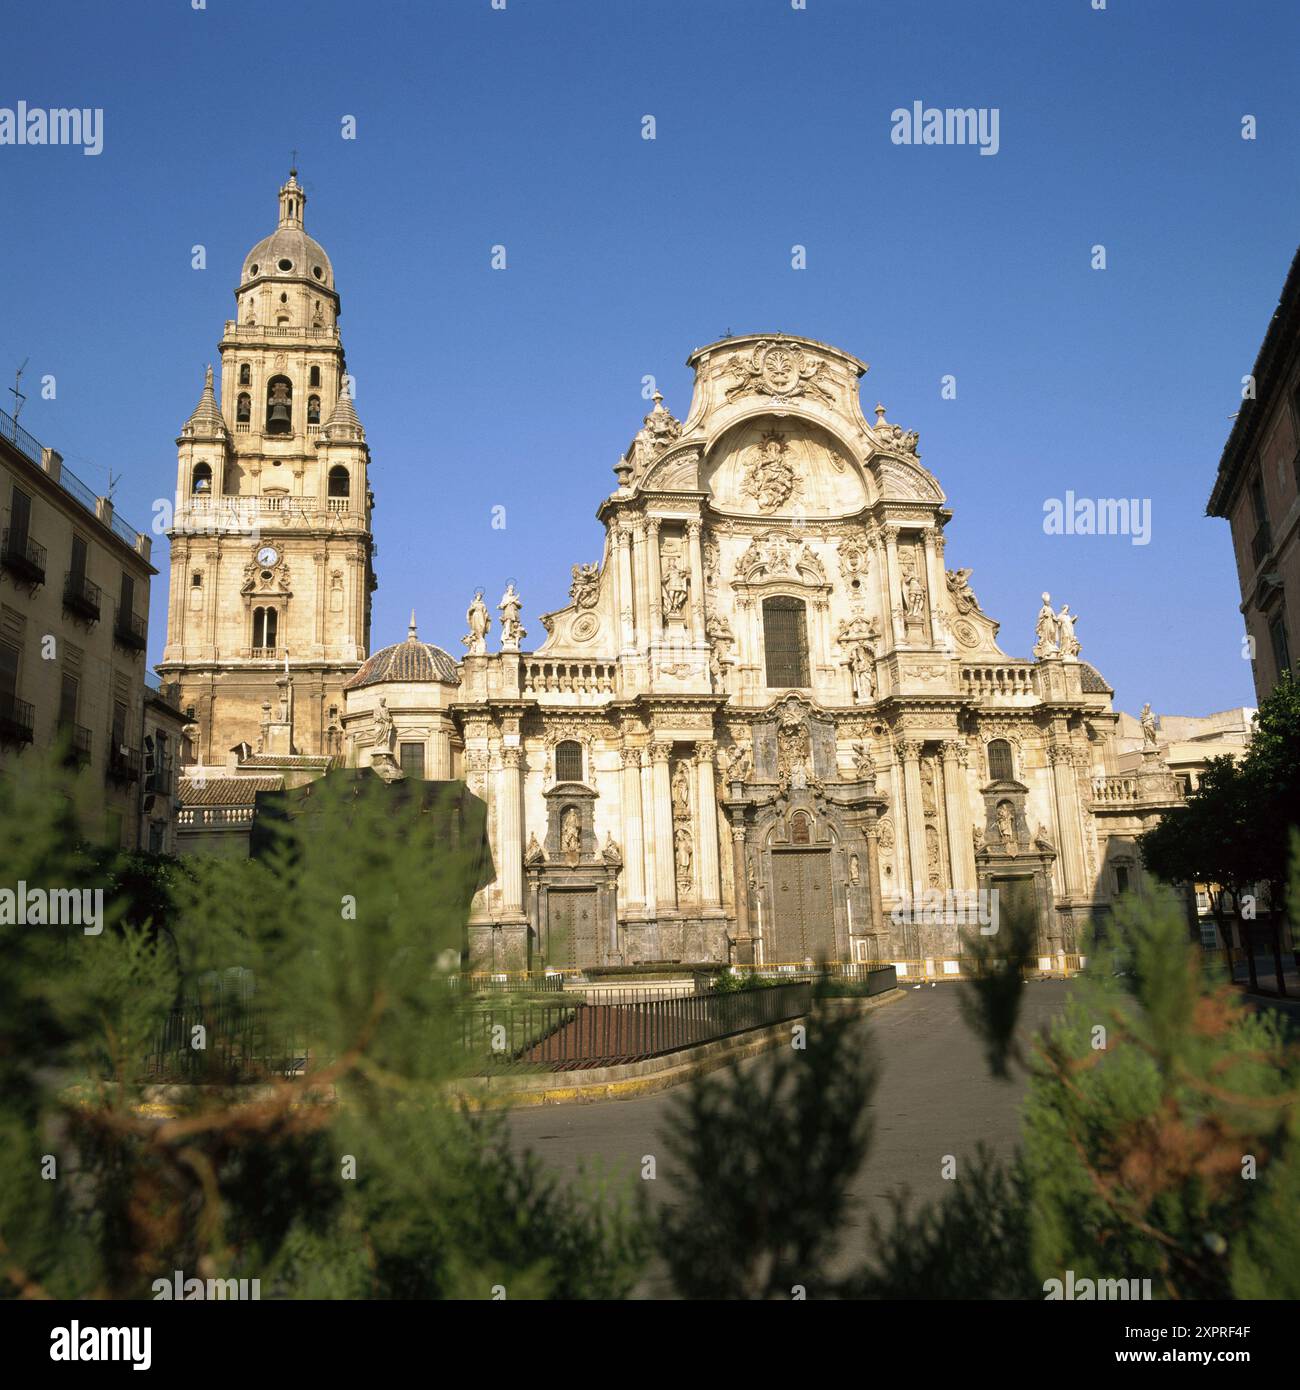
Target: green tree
pixel 354 1176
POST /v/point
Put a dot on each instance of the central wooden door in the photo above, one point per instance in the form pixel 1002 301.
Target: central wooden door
pixel 803 925
pixel 573 939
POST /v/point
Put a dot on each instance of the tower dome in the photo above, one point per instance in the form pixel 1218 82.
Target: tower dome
pixel 409 662
pixel 289 253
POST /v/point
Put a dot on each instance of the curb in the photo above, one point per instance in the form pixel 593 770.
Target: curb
pixel 635 1079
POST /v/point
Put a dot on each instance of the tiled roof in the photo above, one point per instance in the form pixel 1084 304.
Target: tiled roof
pixel 322 760
pixel 411 660
pixel 1092 681
pixel 226 791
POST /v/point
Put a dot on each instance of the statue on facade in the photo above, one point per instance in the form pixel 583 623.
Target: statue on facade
pixel 674 589
pixel 769 475
pixel 863 671
pixel 977 838
pixel 479 620
pixel 1148 721
pixel 855 872
pixel 684 856
pixel 1046 630
pixel 1006 827
pixel 571 833
pixel 681 793
pixel 963 596
pixel 511 628
pixel 740 766
pixel 913 595
pixel 382 741
pixel 862 763
pixel 612 854
pixel 1065 621
pixel 584 586
pixel 533 854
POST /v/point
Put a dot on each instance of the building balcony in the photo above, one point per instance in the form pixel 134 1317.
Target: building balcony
pixel 82 597
pixel 160 779
pixel 21 556
pixel 131 630
pixel 77 744
pixel 17 720
pixel 123 763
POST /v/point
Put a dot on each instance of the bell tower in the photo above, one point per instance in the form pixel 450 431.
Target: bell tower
pixel 271 548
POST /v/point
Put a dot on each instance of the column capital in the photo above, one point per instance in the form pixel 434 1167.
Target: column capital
pixel 692 528
pixel 512 757
pixel 910 750
pixel 631 757
pixel 889 534
pixel 1059 753
pixel 706 751
pixel 660 750
pixel 652 525
pixel 956 750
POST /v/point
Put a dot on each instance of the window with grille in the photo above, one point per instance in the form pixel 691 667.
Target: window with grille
pixel 785 641
pixel 1000 766
pixel 411 758
pixel 568 761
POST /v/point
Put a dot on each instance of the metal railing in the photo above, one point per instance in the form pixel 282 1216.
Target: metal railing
pixel 239 1044
pixel 82 595
pixel 123 763
pixel 11 430
pixel 73 485
pixel 17 719
pixel 580 1035
pixel 131 630
pixel 23 555
pixel 77 743
pixel 124 531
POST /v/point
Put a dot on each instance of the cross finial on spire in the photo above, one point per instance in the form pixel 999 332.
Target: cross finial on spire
pixel 293 164
pixel 410 631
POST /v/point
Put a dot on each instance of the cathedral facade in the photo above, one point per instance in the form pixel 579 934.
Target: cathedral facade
pixel 772 724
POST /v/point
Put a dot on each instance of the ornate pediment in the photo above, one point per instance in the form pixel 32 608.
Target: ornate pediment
pixel 678 472
pixel 775 556
pixel 782 370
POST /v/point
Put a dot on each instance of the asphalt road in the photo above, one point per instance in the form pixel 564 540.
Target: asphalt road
pixel 934 1097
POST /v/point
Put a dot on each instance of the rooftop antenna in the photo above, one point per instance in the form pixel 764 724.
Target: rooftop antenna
pixel 112 482
pixel 18 396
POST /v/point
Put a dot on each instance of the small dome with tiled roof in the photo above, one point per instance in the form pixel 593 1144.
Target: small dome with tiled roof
pixel 343 422
pixel 410 661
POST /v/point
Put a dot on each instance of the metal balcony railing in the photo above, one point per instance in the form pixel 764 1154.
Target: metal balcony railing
pixel 160 779
pixel 17 720
pixel 22 556
pixel 123 763
pixel 77 743
pixel 82 596
pixel 131 630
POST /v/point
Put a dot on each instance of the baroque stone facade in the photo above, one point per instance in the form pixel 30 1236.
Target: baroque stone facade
pixel 769 715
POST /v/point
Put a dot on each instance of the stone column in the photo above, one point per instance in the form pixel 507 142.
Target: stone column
pixel 640 596
pixel 933 582
pixel 665 860
pixel 697 579
pixel 1064 789
pixel 740 878
pixel 649 831
pixel 893 595
pixel 510 833
pixel 707 828
pixel 961 849
pixel 910 752
pixel 626 599
pixel 633 829
pixel 872 834
pixel 654 580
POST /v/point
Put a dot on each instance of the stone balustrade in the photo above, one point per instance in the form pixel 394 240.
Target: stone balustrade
pixel 1001 681
pixel 570 677
pixel 1115 791
pixel 200 817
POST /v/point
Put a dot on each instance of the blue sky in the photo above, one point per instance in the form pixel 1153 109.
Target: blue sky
pixel 520 387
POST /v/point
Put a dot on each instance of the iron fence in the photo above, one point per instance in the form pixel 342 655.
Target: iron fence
pixel 580 1035
pixel 227 1041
